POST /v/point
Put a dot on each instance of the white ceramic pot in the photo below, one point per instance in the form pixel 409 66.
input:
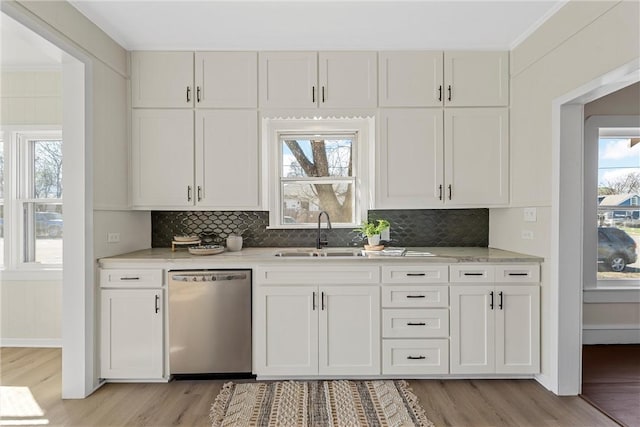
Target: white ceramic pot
pixel 234 243
pixel 374 240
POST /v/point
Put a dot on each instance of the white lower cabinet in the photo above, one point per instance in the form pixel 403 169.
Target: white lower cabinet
pixel 415 357
pixel 131 334
pixel 311 330
pixel 495 329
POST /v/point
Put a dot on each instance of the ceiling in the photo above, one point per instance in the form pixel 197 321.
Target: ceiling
pixel 318 25
pixel 22 48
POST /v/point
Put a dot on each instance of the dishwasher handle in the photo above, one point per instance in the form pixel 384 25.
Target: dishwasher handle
pixel 208 277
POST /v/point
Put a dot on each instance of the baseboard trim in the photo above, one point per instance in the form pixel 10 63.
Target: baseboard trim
pixel 610 334
pixel 31 342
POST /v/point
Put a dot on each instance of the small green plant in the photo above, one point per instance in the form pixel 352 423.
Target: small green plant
pixel 371 228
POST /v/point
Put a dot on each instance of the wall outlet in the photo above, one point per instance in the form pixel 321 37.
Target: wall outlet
pixel 527 234
pixel 113 237
pixel 530 214
pixel 386 234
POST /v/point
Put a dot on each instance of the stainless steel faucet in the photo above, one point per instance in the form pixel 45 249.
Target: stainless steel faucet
pixel 320 243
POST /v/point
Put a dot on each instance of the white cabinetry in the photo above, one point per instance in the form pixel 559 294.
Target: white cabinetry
pixel 415 320
pixel 314 328
pixel 311 79
pixel 162 79
pixel 426 161
pixel 226 79
pixel 495 327
pixel 450 79
pixel 131 327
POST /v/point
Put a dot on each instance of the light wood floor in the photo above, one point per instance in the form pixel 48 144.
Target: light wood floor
pixel 447 403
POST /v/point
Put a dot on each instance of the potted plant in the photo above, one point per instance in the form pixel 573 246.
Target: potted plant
pixel 372 230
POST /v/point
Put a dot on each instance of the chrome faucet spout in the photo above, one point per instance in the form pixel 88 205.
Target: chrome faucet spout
pixel 319 242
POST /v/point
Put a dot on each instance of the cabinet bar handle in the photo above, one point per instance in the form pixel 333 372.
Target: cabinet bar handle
pixel 197 93
pixel 440 93
pixel 416 274
pixel 416 324
pixel 518 274
pixel 322 93
pixel 188 193
pixel 199 193
pixel 129 278
pixel 188 94
pixel 491 303
pixel 157 303
pixel 313 94
pixel 500 303
pixel 416 357
pixel 416 296
pixel 440 192
pixel 449 191
pixel 449 89
pixel 322 300
pixel 313 304
pixel 473 274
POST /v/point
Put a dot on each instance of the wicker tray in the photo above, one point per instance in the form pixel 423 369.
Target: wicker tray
pixel 206 250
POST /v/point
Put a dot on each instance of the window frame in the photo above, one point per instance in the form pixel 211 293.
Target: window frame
pixel 272 131
pixel 16 154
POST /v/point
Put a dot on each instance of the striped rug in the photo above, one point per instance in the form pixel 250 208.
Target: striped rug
pixel 318 404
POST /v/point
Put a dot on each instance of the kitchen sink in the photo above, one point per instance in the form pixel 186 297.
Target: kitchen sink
pixel 319 253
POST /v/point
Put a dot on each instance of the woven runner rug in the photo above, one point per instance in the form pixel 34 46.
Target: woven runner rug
pixel 318 404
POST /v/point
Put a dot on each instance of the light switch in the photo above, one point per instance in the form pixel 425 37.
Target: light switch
pixel 530 214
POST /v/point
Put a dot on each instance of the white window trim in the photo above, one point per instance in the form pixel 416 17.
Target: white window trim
pixel 14 268
pixel 272 128
pixel 592 135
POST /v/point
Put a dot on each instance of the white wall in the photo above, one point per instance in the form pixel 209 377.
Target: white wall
pixel 31 97
pixel 580 43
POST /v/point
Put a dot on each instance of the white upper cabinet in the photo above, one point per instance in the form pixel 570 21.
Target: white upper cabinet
pixel 411 79
pixel 348 79
pixel 227 159
pixel 476 152
pixel 476 79
pixel 162 158
pixel 162 79
pixel 288 79
pixel 292 80
pixel 226 79
pixel 410 158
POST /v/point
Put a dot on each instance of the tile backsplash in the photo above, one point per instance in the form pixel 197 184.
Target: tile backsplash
pixel 414 227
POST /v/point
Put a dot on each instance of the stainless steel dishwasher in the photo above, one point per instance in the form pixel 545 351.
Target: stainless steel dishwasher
pixel 210 322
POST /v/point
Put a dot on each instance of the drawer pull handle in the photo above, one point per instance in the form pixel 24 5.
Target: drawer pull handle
pixel 473 274
pixel 416 357
pixel 416 274
pixel 416 296
pixel 518 274
pixel 157 303
pixel 416 324
pixel 129 278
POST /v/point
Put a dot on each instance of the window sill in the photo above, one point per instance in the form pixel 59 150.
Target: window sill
pixel 611 295
pixel 41 275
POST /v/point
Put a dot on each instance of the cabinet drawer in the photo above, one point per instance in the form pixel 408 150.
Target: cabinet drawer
pixel 327 275
pixel 415 323
pixel 518 273
pixel 131 278
pixel 415 274
pixel 415 296
pixel 472 273
pixel 415 357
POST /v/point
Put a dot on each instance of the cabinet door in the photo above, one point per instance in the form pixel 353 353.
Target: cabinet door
pixel 349 330
pixel 472 330
pixel 348 79
pixel 162 79
pixel 227 79
pixel 286 331
pixel 131 334
pixel 410 159
pixel 476 152
pixel 288 79
pixel 411 79
pixel 162 158
pixel 227 159
pixel 476 79
pixel 517 329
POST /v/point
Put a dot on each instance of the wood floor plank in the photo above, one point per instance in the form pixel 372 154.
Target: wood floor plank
pixel 466 403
